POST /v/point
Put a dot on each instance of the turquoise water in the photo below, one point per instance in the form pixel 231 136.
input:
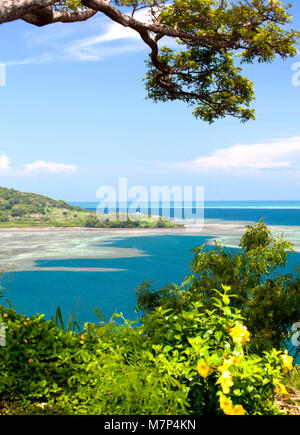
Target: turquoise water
pixel 167 260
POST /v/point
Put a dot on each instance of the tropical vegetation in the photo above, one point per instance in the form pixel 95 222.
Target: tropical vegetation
pixel 187 353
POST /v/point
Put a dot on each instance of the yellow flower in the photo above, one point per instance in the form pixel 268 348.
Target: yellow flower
pixel 226 381
pixel 25 340
pixel 238 410
pixel 226 364
pixel 203 369
pixel 81 342
pixel 228 409
pixel 18 326
pixel 30 360
pixel 280 388
pixel 82 337
pixel 287 361
pixel 27 318
pixel 25 323
pixel 229 362
pixel 239 333
pixel 5 315
pixel 225 403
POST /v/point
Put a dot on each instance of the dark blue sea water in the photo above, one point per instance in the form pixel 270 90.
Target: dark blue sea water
pixel 271 216
pixel 274 213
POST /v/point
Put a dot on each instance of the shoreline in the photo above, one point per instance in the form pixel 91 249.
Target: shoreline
pixel 86 229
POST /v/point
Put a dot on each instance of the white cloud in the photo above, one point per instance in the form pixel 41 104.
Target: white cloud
pixel 29 60
pixel 49 168
pixel 115 31
pixel 92 49
pixel 34 168
pixel 271 154
pixel 75 53
pixel 4 162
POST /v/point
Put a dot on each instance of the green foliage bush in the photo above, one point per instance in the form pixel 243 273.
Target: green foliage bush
pixel 192 362
pixel 268 299
pixel 94 222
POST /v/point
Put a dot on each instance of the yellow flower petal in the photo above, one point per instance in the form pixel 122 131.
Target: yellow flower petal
pixel 287 361
pixel 203 369
pixel 224 402
pixel 239 333
pixel 238 410
pixel 226 381
pixel 280 388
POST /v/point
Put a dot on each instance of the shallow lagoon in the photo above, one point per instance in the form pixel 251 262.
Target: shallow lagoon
pixel 80 270
pixel 105 283
pixel 103 274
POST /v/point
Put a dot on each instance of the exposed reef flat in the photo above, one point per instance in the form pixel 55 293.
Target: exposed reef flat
pixel 20 248
pixel 69 269
pixel 229 233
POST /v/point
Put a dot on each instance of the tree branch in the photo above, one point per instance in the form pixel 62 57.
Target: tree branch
pixel 129 21
pixel 11 10
pixel 47 16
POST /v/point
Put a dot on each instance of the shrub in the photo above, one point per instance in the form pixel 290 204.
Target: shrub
pixel 91 222
pixel 192 362
pixel 204 349
pixel 269 300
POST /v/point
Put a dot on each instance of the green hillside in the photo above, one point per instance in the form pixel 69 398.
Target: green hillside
pixel 31 209
pixel 19 203
pixel 23 209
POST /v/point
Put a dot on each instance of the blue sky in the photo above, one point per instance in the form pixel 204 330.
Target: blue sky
pixel 74 117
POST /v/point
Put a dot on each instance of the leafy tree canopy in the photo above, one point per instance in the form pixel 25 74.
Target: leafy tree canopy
pixel 215 38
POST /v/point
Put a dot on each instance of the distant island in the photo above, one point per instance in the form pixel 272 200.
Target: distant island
pixel 23 209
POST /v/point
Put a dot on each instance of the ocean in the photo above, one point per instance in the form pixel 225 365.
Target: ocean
pixel 158 258
pixel 273 212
